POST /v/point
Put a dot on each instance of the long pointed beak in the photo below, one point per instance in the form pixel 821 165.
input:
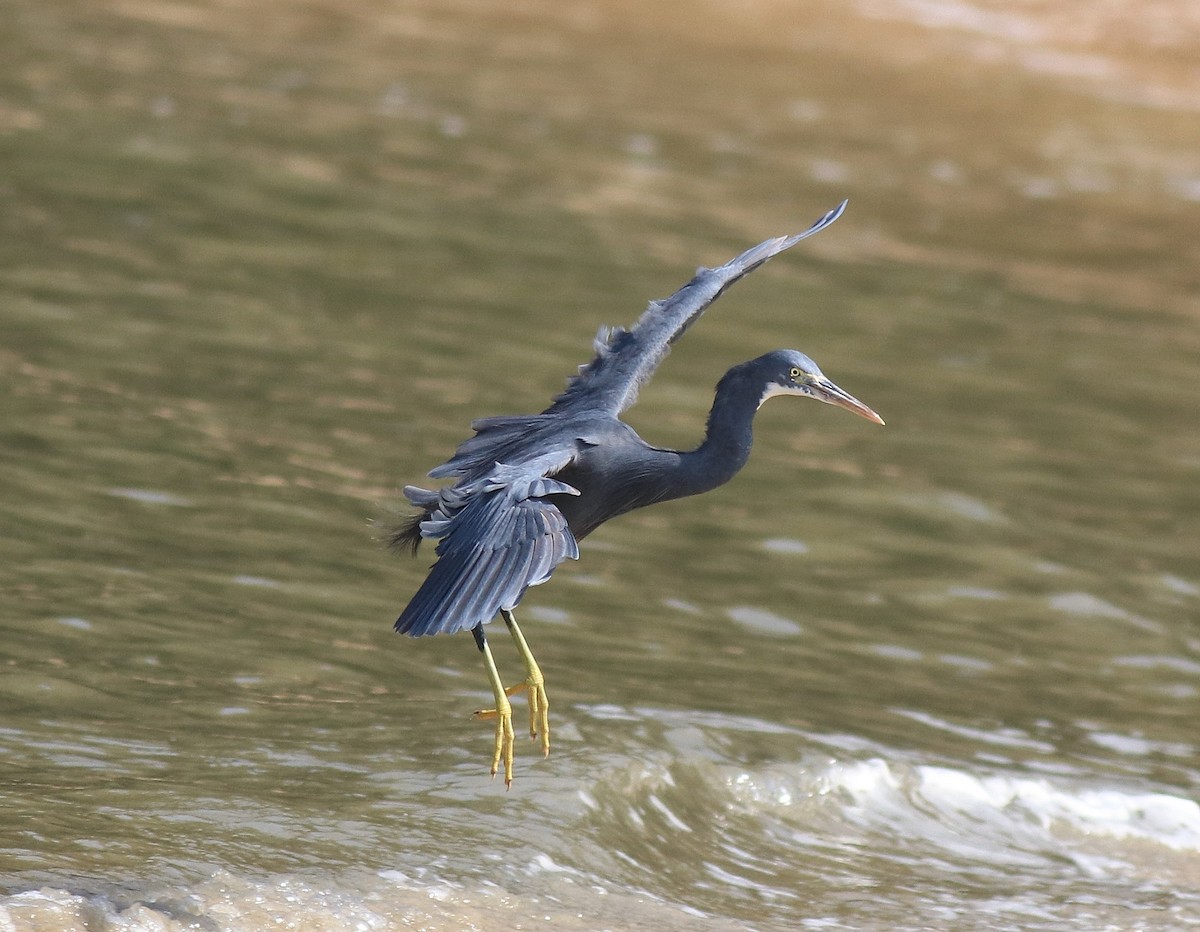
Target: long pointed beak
pixel 826 391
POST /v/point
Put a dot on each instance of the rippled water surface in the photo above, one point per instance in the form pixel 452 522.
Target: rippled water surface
pixel 261 266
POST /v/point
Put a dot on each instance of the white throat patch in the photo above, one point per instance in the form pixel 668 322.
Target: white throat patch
pixel 776 389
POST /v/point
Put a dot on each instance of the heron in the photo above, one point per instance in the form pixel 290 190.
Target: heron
pixel 528 488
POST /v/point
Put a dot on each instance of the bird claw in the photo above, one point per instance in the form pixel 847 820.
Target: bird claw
pixel 503 750
pixel 539 708
pixel 539 705
pixel 539 723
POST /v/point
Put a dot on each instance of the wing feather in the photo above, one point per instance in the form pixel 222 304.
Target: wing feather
pixel 499 535
pixel 625 359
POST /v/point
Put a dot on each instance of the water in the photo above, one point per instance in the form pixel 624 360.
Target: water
pixel 262 266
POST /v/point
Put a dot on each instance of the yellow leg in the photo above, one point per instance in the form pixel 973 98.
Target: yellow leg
pixel 503 750
pixel 539 705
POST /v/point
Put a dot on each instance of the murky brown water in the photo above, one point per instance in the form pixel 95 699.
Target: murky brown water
pixel 260 268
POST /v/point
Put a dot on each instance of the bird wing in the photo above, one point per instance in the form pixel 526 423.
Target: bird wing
pixel 498 536
pixel 627 358
pixel 504 439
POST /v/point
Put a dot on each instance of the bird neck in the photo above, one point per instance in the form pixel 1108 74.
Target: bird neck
pixel 729 433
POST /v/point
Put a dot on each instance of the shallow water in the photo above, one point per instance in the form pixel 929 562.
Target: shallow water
pixel 263 266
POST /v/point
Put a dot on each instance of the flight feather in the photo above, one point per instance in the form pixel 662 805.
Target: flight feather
pixel 625 359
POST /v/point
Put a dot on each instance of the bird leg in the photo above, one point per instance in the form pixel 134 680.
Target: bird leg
pixel 539 705
pixel 502 713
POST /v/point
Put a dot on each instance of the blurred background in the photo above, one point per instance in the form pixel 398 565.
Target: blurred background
pixel 261 265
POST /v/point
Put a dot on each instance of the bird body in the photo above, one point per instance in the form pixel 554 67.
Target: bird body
pixel 528 488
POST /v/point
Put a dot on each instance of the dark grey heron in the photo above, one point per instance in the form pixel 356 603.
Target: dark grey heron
pixel 528 488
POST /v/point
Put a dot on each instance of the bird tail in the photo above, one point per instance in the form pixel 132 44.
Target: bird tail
pixel 405 534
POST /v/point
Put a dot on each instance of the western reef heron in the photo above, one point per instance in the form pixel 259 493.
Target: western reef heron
pixel 528 488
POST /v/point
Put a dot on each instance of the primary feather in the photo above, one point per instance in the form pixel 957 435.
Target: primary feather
pixel 626 359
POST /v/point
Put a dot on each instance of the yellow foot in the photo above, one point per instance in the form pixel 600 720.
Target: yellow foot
pixel 539 705
pixel 539 708
pixel 539 724
pixel 503 750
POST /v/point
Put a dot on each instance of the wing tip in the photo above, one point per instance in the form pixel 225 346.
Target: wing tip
pixel 821 223
pixel 755 256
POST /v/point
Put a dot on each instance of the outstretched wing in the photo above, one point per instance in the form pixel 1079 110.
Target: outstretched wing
pixel 498 536
pixel 627 358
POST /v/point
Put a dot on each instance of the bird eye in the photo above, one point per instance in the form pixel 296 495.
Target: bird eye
pixel 794 373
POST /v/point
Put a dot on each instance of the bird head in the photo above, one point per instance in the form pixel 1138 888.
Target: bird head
pixel 788 372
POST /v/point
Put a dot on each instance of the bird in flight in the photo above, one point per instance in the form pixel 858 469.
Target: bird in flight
pixel 528 488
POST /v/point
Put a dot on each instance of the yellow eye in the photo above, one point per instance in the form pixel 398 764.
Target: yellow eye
pixel 794 373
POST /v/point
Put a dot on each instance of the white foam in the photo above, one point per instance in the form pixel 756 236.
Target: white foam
pixel 993 816
pixel 1155 817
